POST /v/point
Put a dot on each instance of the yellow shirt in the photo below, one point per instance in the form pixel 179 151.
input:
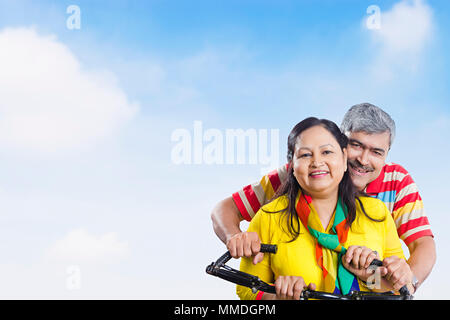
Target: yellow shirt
pixel 297 258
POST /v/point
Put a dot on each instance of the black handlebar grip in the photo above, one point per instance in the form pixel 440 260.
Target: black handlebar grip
pixel 270 248
pixel 404 291
pixel 377 263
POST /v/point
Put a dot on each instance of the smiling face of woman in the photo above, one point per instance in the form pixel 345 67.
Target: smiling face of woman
pixel 319 162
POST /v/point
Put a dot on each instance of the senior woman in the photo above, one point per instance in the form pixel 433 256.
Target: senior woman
pixel 327 233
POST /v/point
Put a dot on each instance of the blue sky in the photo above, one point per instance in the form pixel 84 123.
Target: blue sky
pixel 87 119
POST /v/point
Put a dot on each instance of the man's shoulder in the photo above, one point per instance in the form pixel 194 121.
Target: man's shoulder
pixel 393 173
pixel 392 167
pixel 390 178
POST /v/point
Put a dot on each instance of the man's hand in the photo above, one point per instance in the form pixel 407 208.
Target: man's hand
pixel 398 273
pixel 245 244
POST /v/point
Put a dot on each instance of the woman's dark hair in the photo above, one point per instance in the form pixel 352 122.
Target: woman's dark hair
pixel 347 193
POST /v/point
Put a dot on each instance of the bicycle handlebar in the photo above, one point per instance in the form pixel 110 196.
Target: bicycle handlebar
pixel 266 248
pixel 270 248
pixel 219 269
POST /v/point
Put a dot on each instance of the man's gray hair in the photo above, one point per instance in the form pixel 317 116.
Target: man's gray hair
pixel 368 118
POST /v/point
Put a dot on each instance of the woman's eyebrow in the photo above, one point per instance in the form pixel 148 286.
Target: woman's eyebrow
pixel 326 145
pixel 320 147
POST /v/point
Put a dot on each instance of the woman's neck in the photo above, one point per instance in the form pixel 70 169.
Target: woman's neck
pixel 325 207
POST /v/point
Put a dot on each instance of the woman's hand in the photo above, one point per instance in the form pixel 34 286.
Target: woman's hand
pixel 245 244
pixel 289 288
pixel 357 260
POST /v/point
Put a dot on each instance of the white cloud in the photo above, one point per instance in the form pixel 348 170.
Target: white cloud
pixel 78 247
pixel 404 33
pixel 48 101
pixel 406 27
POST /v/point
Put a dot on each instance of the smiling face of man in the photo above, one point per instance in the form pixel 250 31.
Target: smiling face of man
pixel 366 156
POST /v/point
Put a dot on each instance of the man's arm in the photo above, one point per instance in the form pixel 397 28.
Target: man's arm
pixel 228 214
pixel 422 257
pixel 226 219
pixel 413 227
